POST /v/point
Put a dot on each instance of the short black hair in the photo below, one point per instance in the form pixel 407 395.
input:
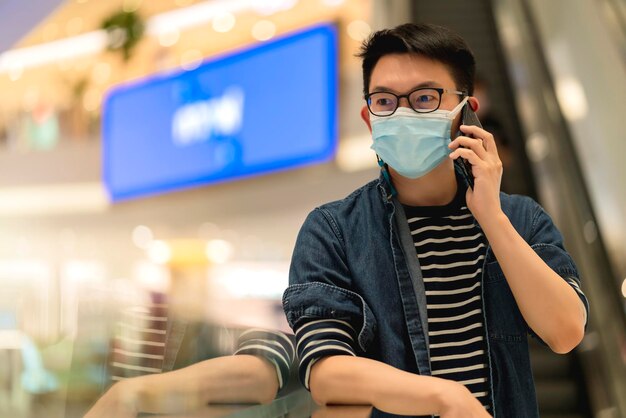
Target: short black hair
pixel 432 41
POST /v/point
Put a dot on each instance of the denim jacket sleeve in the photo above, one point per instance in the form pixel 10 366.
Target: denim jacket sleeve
pixel 547 242
pixel 320 283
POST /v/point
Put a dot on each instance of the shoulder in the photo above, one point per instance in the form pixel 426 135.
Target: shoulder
pixel 358 200
pixel 346 215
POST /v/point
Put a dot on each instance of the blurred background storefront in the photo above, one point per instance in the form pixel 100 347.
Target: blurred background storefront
pixel 169 150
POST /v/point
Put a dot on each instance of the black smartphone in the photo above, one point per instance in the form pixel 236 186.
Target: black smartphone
pixel 468 117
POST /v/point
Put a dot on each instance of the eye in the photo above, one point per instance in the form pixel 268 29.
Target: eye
pixel 382 101
pixel 425 98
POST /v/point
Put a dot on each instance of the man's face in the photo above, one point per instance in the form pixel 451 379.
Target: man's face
pixel 402 73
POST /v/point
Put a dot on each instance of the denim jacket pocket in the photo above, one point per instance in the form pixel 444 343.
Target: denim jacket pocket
pixel 504 320
pixel 325 301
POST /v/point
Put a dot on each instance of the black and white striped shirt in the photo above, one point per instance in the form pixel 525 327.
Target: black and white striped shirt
pixel 321 338
pixel 274 346
pixel 451 251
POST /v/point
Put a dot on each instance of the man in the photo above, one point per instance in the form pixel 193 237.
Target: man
pixel 415 293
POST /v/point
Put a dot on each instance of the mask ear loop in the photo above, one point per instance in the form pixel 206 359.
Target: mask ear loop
pixel 458 108
pixel 385 170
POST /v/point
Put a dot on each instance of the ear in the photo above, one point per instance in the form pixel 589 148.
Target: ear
pixel 474 103
pixel 365 115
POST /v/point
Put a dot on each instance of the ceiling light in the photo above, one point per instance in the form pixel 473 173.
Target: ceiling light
pixel 224 22
pixel 167 39
pixel 359 30
pixel 354 153
pixel 64 49
pixel 537 147
pixel 219 251
pixel 159 252
pixel 151 276
pixel 269 7
pixel 142 236
pixel 195 15
pixel 263 30
pixel 571 97
pixel 158 26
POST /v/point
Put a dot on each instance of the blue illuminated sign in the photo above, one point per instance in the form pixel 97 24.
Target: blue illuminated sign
pixel 266 108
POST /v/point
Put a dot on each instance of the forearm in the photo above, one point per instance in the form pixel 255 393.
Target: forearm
pixel 548 304
pixel 359 381
pixel 230 379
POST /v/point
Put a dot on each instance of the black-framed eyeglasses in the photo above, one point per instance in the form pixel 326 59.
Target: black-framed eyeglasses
pixel 421 100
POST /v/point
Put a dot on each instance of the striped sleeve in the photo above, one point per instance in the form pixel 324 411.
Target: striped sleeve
pixel 574 284
pixel 274 346
pixel 321 338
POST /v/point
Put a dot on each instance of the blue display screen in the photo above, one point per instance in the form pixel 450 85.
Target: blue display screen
pixel 262 109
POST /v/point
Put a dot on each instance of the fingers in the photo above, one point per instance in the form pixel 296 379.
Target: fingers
pixel 475 145
pixel 475 160
pixel 488 141
pixel 468 154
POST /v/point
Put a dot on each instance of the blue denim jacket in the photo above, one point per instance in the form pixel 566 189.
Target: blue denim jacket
pixel 355 260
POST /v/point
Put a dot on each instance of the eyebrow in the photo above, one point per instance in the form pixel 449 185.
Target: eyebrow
pixel 420 85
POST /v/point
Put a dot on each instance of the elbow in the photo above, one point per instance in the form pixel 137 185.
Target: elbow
pixel 266 387
pixel 568 338
pixel 332 381
pixel 319 397
pixel 319 389
pixel 322 381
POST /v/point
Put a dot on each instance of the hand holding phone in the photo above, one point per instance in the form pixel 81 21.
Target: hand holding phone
pixel 468 117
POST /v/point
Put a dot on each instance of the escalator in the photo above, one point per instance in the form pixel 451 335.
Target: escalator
pixel 569 85
pixel 561 391
pixel 519 45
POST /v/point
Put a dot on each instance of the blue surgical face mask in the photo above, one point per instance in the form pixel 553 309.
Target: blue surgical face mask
pixel 413 143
